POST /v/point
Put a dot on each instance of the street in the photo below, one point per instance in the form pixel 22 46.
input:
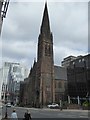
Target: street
pixel 47 113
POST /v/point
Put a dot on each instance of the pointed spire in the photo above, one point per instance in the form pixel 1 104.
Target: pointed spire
pixel 34 61
pixel 31 70
pixel 45 27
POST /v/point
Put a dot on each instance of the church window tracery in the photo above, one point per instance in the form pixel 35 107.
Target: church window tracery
pixel 47 50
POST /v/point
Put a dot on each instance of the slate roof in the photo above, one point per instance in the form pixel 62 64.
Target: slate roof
pixel 60 73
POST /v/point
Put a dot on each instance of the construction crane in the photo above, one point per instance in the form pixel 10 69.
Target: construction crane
pixel 4 8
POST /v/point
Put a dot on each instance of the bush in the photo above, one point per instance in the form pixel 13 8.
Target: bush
pixel 86 104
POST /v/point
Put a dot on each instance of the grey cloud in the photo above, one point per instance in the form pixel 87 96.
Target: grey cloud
pixel 24 23
pixel 19 50
pixel 21 27
pixel 62 52
pixel 72 25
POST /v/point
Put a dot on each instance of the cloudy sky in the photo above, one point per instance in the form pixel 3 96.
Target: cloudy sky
pixel 21 28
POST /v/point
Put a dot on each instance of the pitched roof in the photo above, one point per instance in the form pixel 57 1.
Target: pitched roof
pixel 60 73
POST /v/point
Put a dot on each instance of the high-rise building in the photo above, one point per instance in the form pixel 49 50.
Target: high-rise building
pixel 4 78
pixel 12 74
pixel 66 61
pixel 0 82
pixel 78 77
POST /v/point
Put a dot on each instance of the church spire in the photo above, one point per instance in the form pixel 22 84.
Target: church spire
pixel 45 27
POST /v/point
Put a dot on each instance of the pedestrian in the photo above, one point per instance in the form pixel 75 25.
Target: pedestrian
pixel 27 115
pixel 6 115
pixel 14 115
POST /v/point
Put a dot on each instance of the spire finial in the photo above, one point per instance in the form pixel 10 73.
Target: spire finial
pixel 45 27
pixel 46 3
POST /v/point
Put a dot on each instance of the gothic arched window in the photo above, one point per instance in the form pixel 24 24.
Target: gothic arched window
pixel 45 50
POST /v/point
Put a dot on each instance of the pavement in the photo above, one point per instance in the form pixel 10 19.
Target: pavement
pixel 0 116
pixel 0 113
pixel 57 109
pixel 48 113
pixel 48 109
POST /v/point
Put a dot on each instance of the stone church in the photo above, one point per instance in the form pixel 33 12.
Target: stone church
pixel 39 88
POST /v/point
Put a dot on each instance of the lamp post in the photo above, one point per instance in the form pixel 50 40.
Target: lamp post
pixel 6 116
pixel 87 97
pixel 60 104
pixel 69 99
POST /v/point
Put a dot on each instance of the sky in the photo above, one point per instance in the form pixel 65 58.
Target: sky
pixel 21 28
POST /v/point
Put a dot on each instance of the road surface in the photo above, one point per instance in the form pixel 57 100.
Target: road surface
pixel 47 113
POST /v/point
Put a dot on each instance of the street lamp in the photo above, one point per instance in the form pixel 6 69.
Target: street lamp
pixel 6 107
pixel 6 115
pixel 60 104
pixel 87 97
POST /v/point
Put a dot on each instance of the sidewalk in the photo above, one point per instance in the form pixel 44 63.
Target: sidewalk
pixel 48 109
pixel 0 117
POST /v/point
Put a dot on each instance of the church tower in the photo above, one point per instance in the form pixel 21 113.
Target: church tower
pixel 45 62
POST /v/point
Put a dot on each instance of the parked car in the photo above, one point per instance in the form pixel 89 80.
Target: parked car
pixel 8 105
pixel 53 105
pixel 1 106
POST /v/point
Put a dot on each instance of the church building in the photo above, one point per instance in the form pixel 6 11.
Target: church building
pixel 39 88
